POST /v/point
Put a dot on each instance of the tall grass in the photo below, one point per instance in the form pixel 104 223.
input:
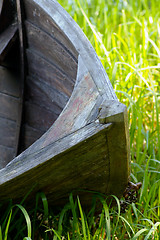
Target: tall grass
pixel 126 37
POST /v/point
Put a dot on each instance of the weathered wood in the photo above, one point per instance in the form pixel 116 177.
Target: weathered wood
pixel 75 115
pixel 7 132
pixel 58 55
pixel 30 135
pixel 7 39
pixel 9 114
pixel 49 95
pixel 35 90
pixel 70 144
pixel 6 155
pixel 111 111
pixel 119 146
pixel 36 15
pixel 49 73
pixel 54 11
pixel 76 160
pixel 9 82
pixel 38 117
pixel 9 107
pixel 7 11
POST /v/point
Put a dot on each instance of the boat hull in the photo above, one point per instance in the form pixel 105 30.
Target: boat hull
pixel 71 132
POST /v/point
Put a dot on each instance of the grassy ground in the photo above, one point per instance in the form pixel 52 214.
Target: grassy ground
pixel 126 37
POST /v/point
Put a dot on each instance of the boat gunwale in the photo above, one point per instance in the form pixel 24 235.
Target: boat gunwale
pixel 73 139
pixel 37 155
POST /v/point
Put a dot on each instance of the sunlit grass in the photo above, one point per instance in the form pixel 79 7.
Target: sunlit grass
pixel 126 37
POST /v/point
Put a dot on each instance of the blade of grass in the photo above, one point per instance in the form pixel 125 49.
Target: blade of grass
pixel 82 220
pixel 7 227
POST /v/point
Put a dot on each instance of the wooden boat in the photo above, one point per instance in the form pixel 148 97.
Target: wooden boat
pixel 62 128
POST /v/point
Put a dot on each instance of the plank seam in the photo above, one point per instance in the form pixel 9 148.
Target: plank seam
pixel 10 95
pixel 56 40
pixel 11 120
pixel 32 50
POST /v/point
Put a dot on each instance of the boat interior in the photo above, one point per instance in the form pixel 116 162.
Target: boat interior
pixel 37 77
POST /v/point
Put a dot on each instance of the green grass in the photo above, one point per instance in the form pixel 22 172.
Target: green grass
pixel 126 37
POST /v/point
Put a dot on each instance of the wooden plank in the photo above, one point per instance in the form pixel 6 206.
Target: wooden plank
pixel 118 143
pixel 73 32
pixel 45 95
pixel 93 111
pixel 50 49
pixel 38 17
pixel 7 8
pixel 9 82
pixel 30 135
pixel 78 161
pixel 47 72
pixel 6 155
pixel 38 117
pixel 9 107
pixel 7 132
pixel 7 39
pixel 78 152
pixel 77 111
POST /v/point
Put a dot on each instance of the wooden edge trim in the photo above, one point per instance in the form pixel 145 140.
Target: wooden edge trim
pixel 26 162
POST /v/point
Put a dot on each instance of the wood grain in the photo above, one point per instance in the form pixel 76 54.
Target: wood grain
pixel 76 160
pixel 47 72
pixel 50 50
pixel 10 103
pixel 6 155
pixel 38 117
pixel 51 98
pixel 9 107
pixel 9 82
pixel 74 130
pixel 37 16
pixel 7 132
pixel 30 135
